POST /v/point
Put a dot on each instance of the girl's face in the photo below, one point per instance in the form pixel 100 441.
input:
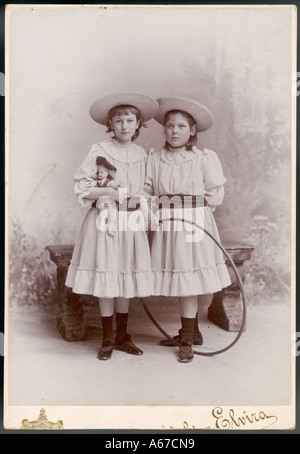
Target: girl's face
pixel 124 126
pixel 178 130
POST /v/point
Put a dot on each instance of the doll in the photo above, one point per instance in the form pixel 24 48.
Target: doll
pixel 106 219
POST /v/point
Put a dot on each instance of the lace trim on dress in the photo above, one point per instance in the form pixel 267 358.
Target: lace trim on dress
pixel 177 156
pixel 125 154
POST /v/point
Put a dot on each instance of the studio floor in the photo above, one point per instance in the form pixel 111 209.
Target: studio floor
pixel 43 369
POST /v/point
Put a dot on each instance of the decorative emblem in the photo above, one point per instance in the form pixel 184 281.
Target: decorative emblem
pixel 41 423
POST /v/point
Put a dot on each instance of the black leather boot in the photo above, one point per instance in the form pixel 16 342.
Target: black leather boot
pixel 107 346
pixel 197 337
pixel 186 353
pixel 123 340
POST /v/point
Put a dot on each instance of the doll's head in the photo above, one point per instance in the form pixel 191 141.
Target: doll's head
pixel 104 168
pixel 102 172
pixel 125 122
pixel 180 129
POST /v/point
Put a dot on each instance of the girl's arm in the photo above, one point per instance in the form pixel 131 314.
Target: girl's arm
pixel 95 193
pixel 85 187
pixel 148 189
pixel 214 179
pixel 214 196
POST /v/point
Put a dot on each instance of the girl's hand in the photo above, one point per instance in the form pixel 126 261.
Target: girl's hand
pixel 113 184
pixel 119 196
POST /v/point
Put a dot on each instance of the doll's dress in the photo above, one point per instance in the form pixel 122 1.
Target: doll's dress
pixel 107 216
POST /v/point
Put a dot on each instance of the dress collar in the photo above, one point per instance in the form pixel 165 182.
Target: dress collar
pixel 122 145
pixel 179 155
pixel 125 153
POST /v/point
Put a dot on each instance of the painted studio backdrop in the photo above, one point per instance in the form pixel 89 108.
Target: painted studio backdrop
pixel 237 61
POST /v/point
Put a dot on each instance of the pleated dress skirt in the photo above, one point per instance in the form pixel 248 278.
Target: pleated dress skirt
pixel 185 260
pixel 117 265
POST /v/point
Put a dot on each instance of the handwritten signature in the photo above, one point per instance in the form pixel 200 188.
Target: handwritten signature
pixel 232 420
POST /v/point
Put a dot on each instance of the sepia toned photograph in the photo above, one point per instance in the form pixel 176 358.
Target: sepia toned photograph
pixel 150 217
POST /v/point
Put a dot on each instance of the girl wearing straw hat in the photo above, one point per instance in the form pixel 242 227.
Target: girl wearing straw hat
pixel 186 263
pixel 114 267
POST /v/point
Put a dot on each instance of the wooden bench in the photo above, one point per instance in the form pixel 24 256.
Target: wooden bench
pixel 225 309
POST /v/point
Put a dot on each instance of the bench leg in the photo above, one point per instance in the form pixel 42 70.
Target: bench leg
pixel 69 321
pixel 226 309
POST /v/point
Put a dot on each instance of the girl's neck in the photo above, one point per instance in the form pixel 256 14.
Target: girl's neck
pixel 121 143
pixel 174 149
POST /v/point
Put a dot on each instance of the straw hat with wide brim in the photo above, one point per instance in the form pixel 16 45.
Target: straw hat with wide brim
pixel 201 114
pixel 147 105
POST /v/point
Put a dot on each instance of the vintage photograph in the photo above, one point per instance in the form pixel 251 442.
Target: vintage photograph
pixel 150 204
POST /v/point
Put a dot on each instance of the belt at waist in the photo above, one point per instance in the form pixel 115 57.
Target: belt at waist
pixel 131 204
pixel 180 201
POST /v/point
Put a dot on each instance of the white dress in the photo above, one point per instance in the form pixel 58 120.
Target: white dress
pixel 185 260
pixel 116 265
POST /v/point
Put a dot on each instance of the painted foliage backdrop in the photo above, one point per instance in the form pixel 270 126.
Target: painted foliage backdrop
pixel 236 60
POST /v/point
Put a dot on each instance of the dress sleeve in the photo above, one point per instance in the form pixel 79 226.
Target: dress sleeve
pixel 85 176
pixel 214 179
pixel 148 183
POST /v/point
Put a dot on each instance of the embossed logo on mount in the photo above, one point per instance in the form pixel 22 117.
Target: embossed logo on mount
pixel 41 423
